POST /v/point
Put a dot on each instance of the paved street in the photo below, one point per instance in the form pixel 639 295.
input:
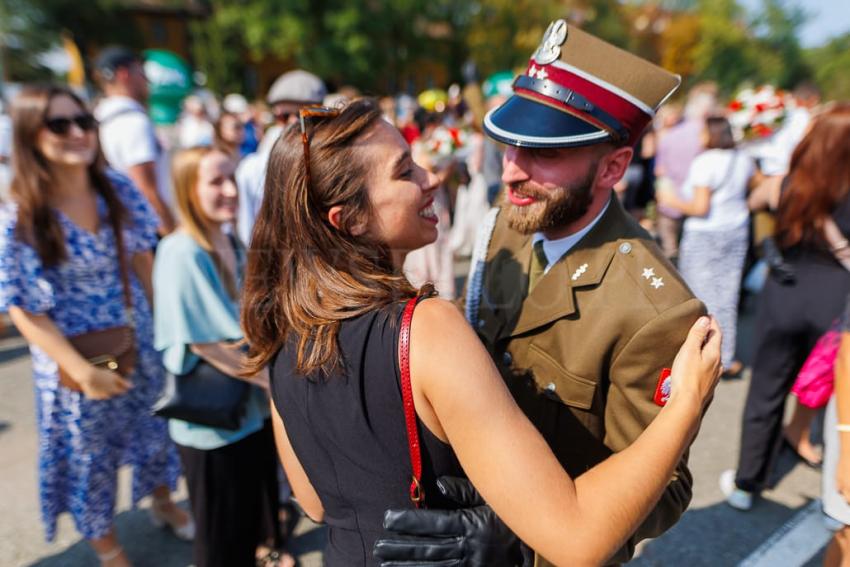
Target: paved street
pixel 710 534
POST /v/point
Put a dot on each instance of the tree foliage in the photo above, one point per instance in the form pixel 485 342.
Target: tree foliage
pixel 372 44
pixel 394 45
pixel 29 28
pixel 831 65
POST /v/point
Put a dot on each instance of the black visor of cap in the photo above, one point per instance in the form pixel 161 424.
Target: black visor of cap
pixel 526 123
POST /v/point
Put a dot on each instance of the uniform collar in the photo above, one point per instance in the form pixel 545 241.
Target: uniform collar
pixel 584 265
pixel 556 249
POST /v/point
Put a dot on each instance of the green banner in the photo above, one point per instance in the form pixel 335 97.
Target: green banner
pixel 170 80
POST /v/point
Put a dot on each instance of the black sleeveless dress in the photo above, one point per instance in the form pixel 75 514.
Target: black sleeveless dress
pixel 349 434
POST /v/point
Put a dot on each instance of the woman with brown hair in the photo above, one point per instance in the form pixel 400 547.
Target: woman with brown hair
pixel 794 313
pixel 231 473
pixel 344 203
pixel 75 265
pixel 229 134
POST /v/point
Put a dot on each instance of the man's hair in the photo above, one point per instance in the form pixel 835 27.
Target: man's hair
pixel 111 59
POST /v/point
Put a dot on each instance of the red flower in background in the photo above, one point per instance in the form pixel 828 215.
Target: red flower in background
pixel 455 133
pixel 762 130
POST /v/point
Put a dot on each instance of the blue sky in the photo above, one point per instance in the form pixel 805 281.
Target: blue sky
pixel 827 19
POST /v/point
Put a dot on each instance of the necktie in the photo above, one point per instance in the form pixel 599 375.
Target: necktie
pixel 538 265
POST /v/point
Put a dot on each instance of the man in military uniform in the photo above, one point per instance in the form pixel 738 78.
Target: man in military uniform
pixel 573 299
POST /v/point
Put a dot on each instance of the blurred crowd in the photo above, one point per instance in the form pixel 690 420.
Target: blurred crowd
pixel 718 202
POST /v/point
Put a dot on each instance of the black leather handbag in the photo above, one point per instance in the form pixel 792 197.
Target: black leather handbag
pixel 205 395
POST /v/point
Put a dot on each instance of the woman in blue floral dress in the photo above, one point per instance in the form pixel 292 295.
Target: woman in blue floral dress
pixel 60 276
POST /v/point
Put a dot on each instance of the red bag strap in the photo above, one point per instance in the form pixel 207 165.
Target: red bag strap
pixel 417 495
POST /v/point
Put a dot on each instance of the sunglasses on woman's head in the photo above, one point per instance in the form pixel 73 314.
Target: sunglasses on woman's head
pixel 61 125
pixel 312 112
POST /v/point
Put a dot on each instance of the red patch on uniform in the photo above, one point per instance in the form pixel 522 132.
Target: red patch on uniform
pixel 663 388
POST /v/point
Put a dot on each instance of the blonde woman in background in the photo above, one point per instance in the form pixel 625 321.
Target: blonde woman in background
pixel 231 474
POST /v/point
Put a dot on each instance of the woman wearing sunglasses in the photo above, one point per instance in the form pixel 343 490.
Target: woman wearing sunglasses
pixel 344 203
pixel 75 260
pixel 231 474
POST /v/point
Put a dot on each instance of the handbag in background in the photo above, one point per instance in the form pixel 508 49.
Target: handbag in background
pixel 113 348
pixel 205 395
pixel 816 379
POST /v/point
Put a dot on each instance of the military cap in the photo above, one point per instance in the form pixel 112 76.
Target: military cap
pixel 579 90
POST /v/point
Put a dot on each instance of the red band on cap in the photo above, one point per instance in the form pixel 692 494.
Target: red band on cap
pixel 631 117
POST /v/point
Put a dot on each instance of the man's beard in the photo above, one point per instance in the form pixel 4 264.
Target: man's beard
pixel 554 208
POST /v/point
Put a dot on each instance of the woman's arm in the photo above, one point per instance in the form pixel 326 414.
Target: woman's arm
pixel 303 489
pixel 842 406
pixel 459 394
pixel 40 330
pixel 766 194
pixel 699 206
pixel 229 358
pixel 142 263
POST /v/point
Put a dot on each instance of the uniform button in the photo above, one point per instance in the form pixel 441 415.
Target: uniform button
pixel 507 358
pixel 625 248
pixel 550 387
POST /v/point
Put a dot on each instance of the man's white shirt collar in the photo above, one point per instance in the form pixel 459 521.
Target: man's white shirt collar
pixel 556 249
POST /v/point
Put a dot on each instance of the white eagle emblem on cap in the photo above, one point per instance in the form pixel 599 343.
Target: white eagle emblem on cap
pixel 549 49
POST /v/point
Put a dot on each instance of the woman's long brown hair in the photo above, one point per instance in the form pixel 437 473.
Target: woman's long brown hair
pixel 304 275
pixel 32 179
pixel 818 179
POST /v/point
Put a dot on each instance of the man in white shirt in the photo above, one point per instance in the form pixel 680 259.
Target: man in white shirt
pixel 127 134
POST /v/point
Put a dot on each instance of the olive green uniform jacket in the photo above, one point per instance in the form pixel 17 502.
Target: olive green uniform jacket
pixel 582 354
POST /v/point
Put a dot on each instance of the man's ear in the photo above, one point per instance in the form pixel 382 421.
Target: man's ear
pixel 335 218
pixel 120 74
pixel 613 166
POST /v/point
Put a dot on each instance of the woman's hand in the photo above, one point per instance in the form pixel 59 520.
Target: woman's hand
pixel 842 478
pixel 101 384
pixel 665 197
pixel 696 368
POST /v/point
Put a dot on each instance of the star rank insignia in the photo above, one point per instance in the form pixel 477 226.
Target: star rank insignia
pixel 579 272
pixel 648 273
pixel 536 73
pixel 657 282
